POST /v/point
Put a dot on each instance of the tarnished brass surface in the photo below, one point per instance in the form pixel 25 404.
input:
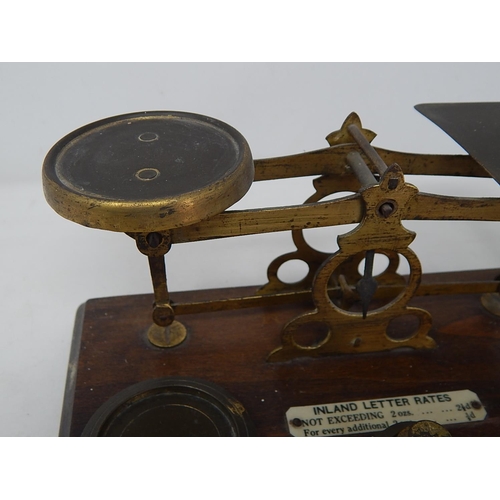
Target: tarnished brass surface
pixel 338 177
pixel 384 292
pixel 165 332
pixel 147 175
pixel 331 161
pixel 344 330
pixel 145 172
pixel 491 302
pixel 167 336
pixel 424 428
pixel 346 210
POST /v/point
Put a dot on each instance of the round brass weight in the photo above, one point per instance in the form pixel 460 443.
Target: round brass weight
pixel 167 336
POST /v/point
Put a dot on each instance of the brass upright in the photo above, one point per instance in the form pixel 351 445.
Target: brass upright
pixel 145 174
pixel 168 177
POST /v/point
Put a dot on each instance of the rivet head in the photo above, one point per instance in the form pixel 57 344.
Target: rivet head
pixel 393 183
pixel 154 239
pixel 386 209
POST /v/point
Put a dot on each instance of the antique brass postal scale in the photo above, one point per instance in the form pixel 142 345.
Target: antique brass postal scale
pixel 342 352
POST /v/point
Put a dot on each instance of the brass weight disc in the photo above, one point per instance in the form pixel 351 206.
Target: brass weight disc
pixel 171 407
pixel 148 171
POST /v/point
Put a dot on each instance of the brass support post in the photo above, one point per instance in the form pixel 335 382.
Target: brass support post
pixel 165 331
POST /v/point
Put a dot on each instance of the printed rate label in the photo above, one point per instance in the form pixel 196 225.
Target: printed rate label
pixel 374 415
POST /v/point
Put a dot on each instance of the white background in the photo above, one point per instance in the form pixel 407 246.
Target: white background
pixel 49 266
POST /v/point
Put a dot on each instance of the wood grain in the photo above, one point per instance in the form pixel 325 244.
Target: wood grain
pixel 230 348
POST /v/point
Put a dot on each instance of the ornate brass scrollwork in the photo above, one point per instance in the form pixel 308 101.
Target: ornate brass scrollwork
pixel 345 330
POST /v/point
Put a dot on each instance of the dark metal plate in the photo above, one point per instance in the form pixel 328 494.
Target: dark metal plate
pixel 171 407
pixel 473 125
pixel 148 156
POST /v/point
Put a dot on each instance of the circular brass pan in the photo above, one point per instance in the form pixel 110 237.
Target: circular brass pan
pixel 149 171
pixel 171 407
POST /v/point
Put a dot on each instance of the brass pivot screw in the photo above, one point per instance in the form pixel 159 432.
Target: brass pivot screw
pixel 163 314
pixel 393 183
pixel 386 209
pixel 154 239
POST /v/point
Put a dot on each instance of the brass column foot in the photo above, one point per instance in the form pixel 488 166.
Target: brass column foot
pixel 167 336
pixel 491 302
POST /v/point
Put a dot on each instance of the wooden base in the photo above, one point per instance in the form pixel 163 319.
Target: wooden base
pixel 111 352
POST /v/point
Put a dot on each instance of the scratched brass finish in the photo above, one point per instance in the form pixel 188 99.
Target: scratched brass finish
pixel 346 331
pixel 384 293
pixel 164 332
pixel 491 302
pixel 167 336
pixel 149 171
pixel 424 428
pixel 166 178
pixel 337 177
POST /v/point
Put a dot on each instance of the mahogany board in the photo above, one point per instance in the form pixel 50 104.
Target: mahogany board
pixel 111 352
